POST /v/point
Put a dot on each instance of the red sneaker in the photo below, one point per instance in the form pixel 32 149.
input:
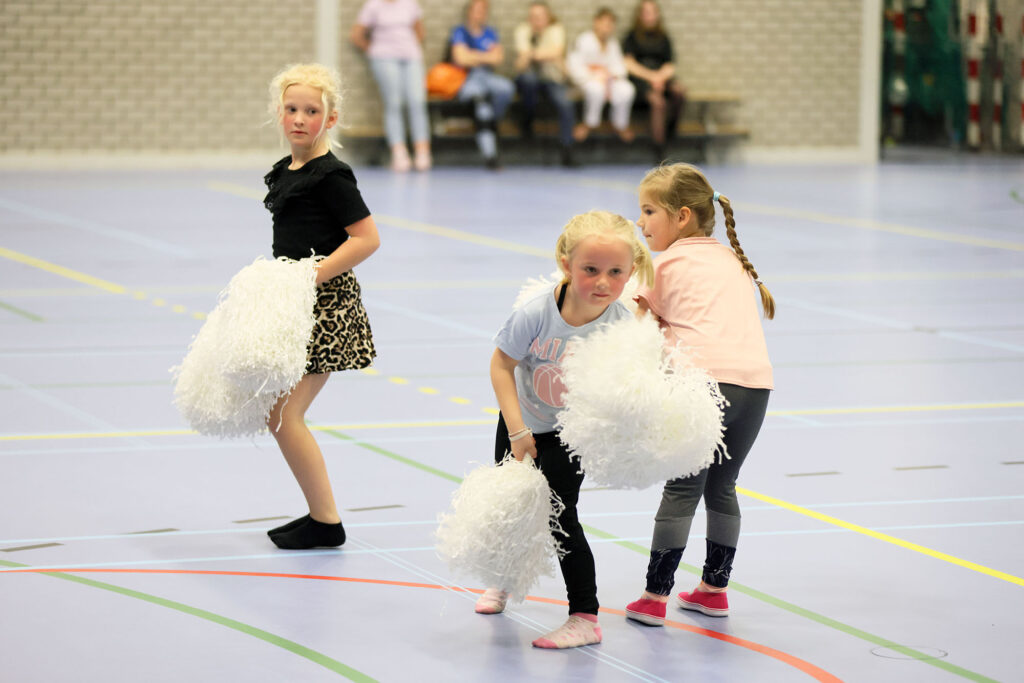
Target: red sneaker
pixel 650 612
pixel 711 604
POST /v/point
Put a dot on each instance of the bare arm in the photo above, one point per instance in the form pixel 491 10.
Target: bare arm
pixel 635 68
pixel 465 57
pixel 362 241
pixel 495 55
pixel 419 31
pixel 504 382
pixel 360 37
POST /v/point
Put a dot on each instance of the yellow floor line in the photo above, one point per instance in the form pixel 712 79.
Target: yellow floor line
pixel 27 260
pixel 494 411
pixel 835 521
pixel 405 224
pixel 828 219
pixel 84 278
pixel 462 236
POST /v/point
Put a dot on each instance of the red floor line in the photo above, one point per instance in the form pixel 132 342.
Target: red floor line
pixel 797 663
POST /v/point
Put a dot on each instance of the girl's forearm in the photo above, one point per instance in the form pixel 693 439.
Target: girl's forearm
pixel 504 382
pixel 350 254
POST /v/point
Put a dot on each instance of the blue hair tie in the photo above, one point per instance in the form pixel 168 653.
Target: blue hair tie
pixel 715 198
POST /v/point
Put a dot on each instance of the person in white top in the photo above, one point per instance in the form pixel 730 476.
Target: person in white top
pixel 597 67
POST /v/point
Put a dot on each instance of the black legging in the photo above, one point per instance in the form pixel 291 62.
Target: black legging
pixel 565 478
pixel 717 485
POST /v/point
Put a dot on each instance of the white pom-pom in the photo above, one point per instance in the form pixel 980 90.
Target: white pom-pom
pixel 250 351
pixel 535 286
pixel 634 414
pixel 500 529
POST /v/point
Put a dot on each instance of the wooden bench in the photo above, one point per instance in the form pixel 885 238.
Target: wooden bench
pixel 453 129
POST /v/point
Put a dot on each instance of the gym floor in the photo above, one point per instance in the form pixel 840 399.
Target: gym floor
pixel 883 502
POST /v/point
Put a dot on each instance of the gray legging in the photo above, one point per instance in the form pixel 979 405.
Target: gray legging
pixel 717 485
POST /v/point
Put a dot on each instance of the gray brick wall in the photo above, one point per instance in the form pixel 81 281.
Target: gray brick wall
pixel 191 75
pixel 127 75
pixel 795 63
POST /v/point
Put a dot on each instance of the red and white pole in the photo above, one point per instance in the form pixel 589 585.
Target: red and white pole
pixel 997 81
pixel 973 81
pixel 897 93
pixel 1022 83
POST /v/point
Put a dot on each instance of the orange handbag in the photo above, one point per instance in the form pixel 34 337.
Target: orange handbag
pixel 444 79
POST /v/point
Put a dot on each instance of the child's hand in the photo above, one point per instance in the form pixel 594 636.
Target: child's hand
pixel 523 447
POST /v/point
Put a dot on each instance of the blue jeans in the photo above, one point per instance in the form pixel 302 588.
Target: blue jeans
pixel 530 84
pixel 491 94
pixel 401 81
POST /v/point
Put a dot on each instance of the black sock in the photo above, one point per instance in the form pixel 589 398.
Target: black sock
pixel 310 534
pixel 289 526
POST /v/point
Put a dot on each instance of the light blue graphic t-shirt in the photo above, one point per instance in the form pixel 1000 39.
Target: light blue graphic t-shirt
pixel 537 336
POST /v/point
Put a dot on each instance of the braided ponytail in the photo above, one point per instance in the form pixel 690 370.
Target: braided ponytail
pixel 767 302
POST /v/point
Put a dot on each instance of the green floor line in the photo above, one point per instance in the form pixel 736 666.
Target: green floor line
pixel 740 588
pixel 22 312
pixel 813 616
pixel 394 456
pixel 293 647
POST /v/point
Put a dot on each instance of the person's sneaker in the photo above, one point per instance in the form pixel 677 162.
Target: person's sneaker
pixel 569 159
pixel 650 612
pixel 491 602
pixel 711 604
pixel 581 629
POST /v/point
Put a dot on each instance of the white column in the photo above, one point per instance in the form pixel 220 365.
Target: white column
pixel 870 79
pixel 328 26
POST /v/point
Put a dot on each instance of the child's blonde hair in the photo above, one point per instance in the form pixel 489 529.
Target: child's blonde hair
pixel 318 76
pixel 604 223
pixel 673 186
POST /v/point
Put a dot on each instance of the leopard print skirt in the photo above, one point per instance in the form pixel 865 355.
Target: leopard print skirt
pixel 341 338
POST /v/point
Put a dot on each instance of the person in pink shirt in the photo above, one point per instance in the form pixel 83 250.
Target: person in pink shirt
pixel 704 297
pixel 390 32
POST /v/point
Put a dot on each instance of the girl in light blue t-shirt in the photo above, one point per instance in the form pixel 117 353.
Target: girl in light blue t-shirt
pixel 597 253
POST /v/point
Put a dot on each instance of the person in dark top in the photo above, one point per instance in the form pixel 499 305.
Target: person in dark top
pixel 317 210
pixel 647 51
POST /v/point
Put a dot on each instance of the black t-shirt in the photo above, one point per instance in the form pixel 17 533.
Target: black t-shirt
pixel 312 206
pixel 652 49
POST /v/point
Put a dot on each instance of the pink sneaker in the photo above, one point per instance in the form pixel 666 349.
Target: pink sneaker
pixel 711 604
pixel 581 629
pixel 491 602
pixel 650 612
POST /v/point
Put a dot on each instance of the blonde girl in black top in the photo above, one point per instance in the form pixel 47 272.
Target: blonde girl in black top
pixel 317 209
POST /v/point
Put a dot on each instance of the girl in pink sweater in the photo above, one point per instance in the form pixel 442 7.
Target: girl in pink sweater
pixel 704 297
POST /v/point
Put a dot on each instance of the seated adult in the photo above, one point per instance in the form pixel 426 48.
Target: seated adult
pixel 647 52
pixel 540 64
pixel 475 46
pixel 596 66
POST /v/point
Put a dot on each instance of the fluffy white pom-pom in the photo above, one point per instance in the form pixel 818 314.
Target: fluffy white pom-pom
pixel 636 414
pixel 500 527
pixel 535 286
pixel 250 351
